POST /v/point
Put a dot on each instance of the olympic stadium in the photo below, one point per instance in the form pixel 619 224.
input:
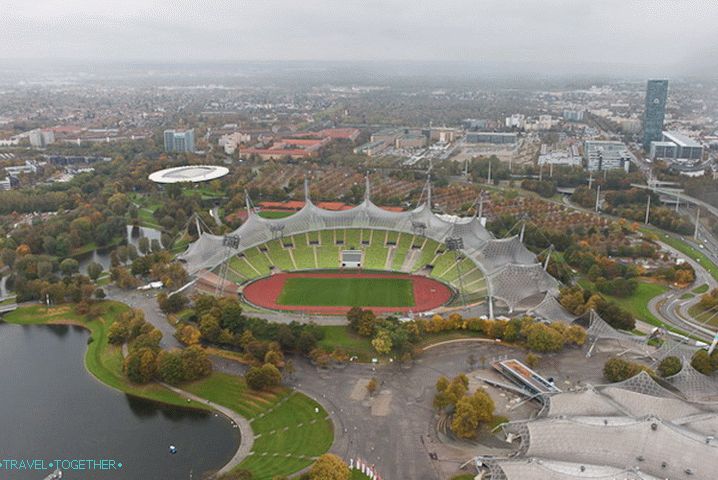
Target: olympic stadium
pixel 422 261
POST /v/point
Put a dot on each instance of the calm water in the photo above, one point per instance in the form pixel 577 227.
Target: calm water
pixel 51 407
pixel 102 255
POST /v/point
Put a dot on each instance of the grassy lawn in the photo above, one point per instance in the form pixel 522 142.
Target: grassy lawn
pixel 289 435
pixel 364 292
pixel 637 304
pixel 102 360
pixel 700 290
pixel 686 296
pixel 340 336
pixel 701 315
pixel 274 214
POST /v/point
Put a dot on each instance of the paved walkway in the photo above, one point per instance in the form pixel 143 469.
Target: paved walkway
pixel 245 429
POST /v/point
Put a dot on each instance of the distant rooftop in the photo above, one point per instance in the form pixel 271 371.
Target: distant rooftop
pixel 680 139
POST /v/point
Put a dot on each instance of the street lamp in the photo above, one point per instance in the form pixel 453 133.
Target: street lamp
pixel 229 242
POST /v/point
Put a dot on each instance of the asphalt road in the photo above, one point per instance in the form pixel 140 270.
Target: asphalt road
pixel 147 302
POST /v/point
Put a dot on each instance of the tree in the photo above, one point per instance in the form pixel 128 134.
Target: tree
pixel 450 391
pixel 382 342
pixel 329 467
pixel 118 333
pixel 69 266
pixel 261 378
pixel 371 386
pixel 701 361
pixel 669 366
pixel 196 364
pixel 542 338
pixel 617 369
pixel 141 365
pixel 188 334
pixel 532 360
pixel 209 328
pixel 169 367
pixel 144 244
pixel 172 303
pixel 465 422
pixel 94 270
pixel 470 412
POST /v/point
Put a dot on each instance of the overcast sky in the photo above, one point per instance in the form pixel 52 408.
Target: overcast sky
pixel 658 36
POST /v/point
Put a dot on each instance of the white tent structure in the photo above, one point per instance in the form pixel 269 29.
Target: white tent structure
pixel 513 273
pixel 635 429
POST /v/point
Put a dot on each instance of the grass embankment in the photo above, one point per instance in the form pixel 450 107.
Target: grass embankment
pixel 637 304
pixel 347 291
pixel 341 336
pixel 289 435
pixel 701 315
pixel 102 360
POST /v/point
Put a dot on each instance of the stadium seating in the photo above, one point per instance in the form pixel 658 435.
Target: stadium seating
pixel 279 256
pixel 403 243
pixel 303 253
pixel 320 250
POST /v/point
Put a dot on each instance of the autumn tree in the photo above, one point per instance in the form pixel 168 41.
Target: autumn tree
pixel 94 270
pixel 329 467
pixel 264 377
pixel 382 342
pixel 470 412
pixel 617 369
pixel 371 386
pixel 188 334
pixel 669 366
pixel 141 365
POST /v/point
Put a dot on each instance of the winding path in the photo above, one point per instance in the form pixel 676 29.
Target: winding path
pixel 245 429
pixel 670 308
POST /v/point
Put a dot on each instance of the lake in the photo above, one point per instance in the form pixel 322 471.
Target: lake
pixel 51 407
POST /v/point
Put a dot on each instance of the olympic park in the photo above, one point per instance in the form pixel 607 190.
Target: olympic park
pixel 318 262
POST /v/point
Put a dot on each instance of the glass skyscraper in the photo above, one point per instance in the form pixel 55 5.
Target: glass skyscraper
pixel 179 141
pixel 655 113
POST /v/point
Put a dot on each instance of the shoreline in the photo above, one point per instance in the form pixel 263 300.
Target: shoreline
pixel 197 403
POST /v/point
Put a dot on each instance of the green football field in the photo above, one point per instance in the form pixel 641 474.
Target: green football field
pixel 347 292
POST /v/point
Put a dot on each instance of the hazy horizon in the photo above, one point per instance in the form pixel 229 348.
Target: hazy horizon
pixel 575 37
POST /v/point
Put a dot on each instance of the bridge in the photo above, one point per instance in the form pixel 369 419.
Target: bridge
pixel 678 194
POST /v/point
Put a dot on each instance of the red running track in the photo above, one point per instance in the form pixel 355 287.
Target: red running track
pixel 428 293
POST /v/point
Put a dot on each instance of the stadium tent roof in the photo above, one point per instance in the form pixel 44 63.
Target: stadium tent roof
pixel 634 429
pixel 512 277
pixel 599 329
pixel 189 174
pixel 550 309
pixel 650 444
pixel 694 385
pixel 540 469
